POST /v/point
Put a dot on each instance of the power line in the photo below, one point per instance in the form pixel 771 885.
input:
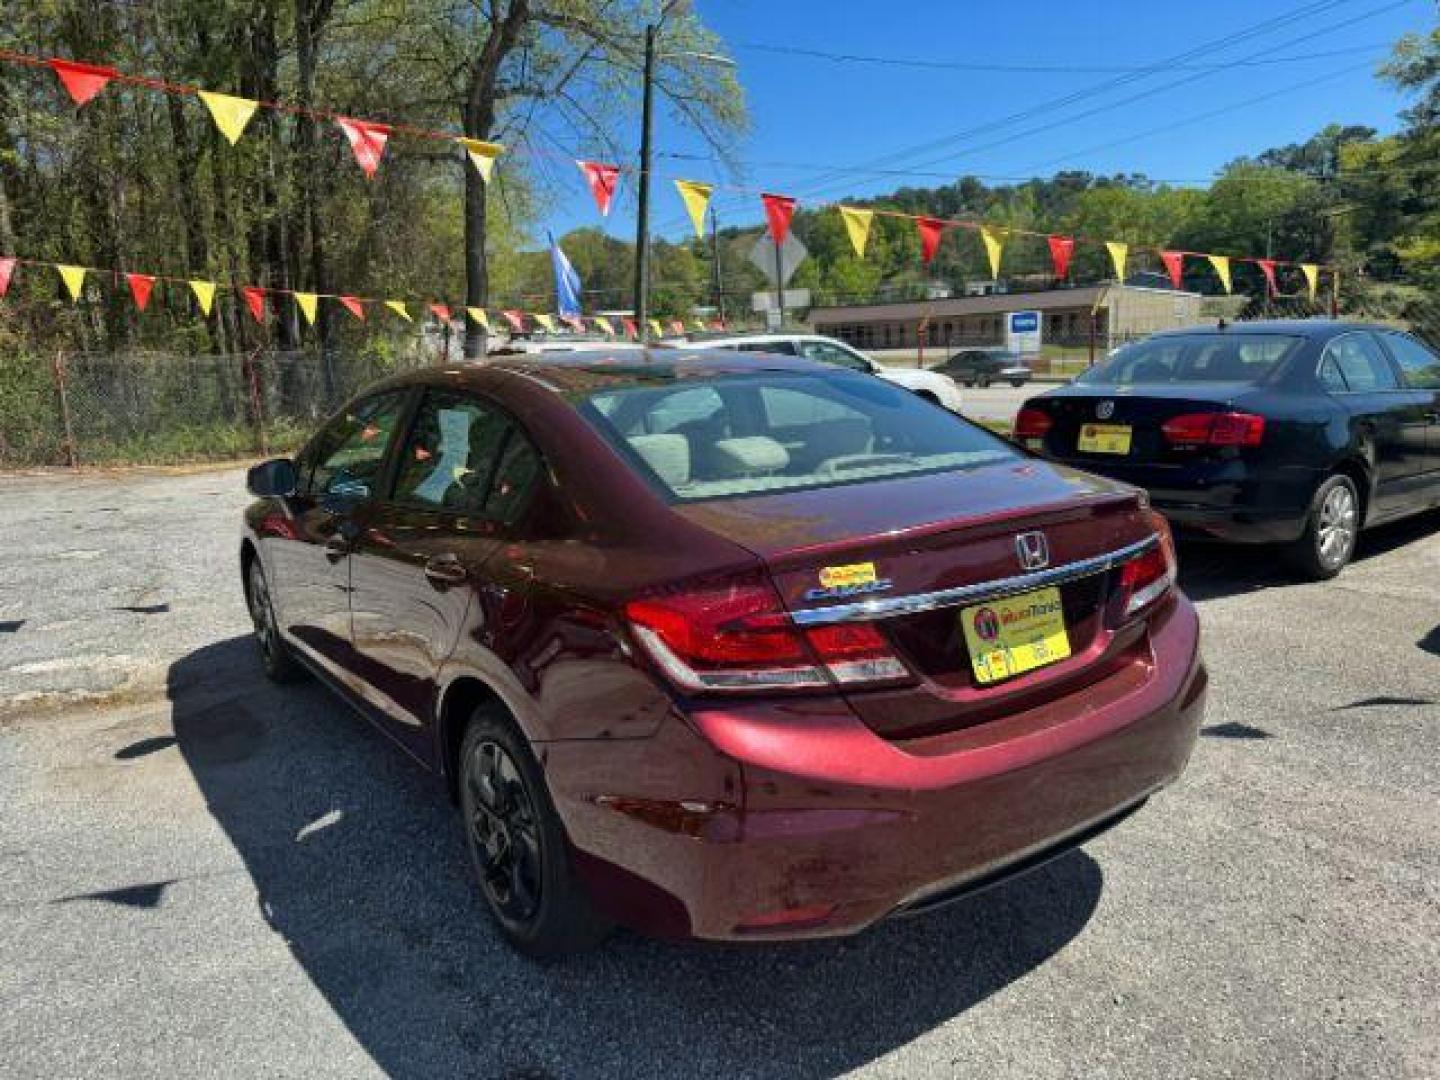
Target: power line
pixel 1028 68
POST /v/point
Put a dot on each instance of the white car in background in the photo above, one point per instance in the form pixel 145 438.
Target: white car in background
pixel 933 385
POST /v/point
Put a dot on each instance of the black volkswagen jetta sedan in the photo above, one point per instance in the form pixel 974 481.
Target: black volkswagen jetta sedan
pixel 1294 433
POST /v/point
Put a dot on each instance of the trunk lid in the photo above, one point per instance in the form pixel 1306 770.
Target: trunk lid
pixel 919 535
pixel 1142 409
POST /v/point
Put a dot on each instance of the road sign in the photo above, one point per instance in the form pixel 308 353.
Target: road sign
pixel 792 254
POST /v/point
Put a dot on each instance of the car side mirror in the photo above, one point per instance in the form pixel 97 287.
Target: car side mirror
pixel 273 479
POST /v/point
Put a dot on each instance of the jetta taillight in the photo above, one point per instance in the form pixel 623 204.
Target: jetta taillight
pixel 1148 577
pixel 737 636
pixel 1214 429
pixel 1032 423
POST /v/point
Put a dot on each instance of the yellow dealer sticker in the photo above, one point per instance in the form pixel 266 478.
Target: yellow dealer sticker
pixel 1016 634
pixel 845 577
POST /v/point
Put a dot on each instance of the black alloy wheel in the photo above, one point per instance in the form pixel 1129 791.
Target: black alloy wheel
pixel 275 656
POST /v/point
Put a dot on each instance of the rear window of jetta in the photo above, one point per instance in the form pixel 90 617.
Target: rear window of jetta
pixel 754 434
pixel 1196 358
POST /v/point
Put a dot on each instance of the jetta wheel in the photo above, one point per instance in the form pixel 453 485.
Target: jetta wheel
pixel 517 844
pixel 275 656
pixel 1332 530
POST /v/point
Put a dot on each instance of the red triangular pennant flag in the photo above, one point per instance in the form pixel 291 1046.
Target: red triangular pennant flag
pixel 718 324
pixel 602 180
pixel 631 330
pixel 440 311
pixel 515 319
pixel 367 141
pixel 354 305
pixel 82 81
pixel 779 209
pixel 7 271
pixel 1174 266
pixel 677 327
pixel 140 286
pixel 255 301
pixel 930 232
pixel 575 322
pixel 1267 267
pixel 1061 248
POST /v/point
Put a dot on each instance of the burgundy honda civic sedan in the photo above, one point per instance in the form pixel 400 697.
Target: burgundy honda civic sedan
pixel 726 646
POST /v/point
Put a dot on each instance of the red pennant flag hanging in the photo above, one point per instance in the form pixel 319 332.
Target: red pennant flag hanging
pixel 718 324
pixel 140 286
pixel 82 81
pixel 367 141
pixel 440 311
pixel 515 319
pixel 1267 267
pixel 354 305
pixel 255 301
pixel 677 327
pixel 632 331
pixel 779 209
pixel 602 180
pixel 1061 248
pixel 575 323
pixel 7 271
pixel 930 232
pixel 1174 266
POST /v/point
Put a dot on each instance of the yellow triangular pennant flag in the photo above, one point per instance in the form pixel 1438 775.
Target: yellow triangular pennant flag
pixel 656 328
pixel 1312 278
pixel 699 324
pixel 1221 263
pixel 697 200
pixel 994 242
pixel 307 302
pixel 230 114
pixel 482 155
pixel 545 320
pixel 1118 253
pixel 604 325
pixel 857 224
pixel 74 278
pixel 205 293
pixel 398 306
pixel 478 316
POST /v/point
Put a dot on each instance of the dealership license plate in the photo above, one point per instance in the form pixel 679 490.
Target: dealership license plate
pixel 1015 635
pixel 1104 439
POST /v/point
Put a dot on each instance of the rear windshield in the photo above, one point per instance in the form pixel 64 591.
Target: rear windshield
pixel 1196 358
pixel 750 434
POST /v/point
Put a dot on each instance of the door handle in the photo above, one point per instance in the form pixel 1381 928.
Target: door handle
pixel 445 570
pixel 336 548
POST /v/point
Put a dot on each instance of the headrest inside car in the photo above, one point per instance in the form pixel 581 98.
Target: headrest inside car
pixel 668 455
pixel 752 455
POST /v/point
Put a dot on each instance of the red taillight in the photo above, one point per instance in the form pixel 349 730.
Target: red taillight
pixel 1032 423
pixel 1215 429
pixel 1146 578
pixel 737 636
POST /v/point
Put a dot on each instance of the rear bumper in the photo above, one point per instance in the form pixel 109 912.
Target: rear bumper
pixel 799 821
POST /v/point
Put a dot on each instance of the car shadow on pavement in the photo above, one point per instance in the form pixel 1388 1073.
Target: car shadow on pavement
pixel 359 865
pixel 1210 570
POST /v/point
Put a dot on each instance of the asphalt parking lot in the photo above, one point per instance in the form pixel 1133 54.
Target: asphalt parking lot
pixel 202 874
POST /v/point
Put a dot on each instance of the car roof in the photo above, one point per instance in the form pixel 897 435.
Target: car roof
pixel 1313 329
pixel 587 372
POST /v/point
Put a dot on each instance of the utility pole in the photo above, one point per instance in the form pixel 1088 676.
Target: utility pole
pixel 717 277
pixel 642 216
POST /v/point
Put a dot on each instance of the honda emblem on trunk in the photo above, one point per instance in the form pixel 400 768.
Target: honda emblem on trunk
pixel 1104 410
pixel 1033 550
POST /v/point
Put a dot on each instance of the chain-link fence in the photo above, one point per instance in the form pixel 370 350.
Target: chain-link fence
pixel 158 408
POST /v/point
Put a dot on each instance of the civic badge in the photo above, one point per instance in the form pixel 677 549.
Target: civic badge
pixel 1104 410
pixel 1033 550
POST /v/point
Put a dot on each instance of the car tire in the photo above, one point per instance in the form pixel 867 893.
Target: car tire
pixel 1331 530
pixel 983 381
pixel 278 662
pixel 968 383
pixel 517 844
pixel 1017 383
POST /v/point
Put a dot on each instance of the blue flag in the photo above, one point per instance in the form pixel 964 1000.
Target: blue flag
pixel 567 282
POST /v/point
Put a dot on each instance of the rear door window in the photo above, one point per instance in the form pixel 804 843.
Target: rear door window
pixel 825 353
pixel 1359 361
pixel 449 458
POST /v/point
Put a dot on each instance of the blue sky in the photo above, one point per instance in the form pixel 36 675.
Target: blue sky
pixel 809 112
